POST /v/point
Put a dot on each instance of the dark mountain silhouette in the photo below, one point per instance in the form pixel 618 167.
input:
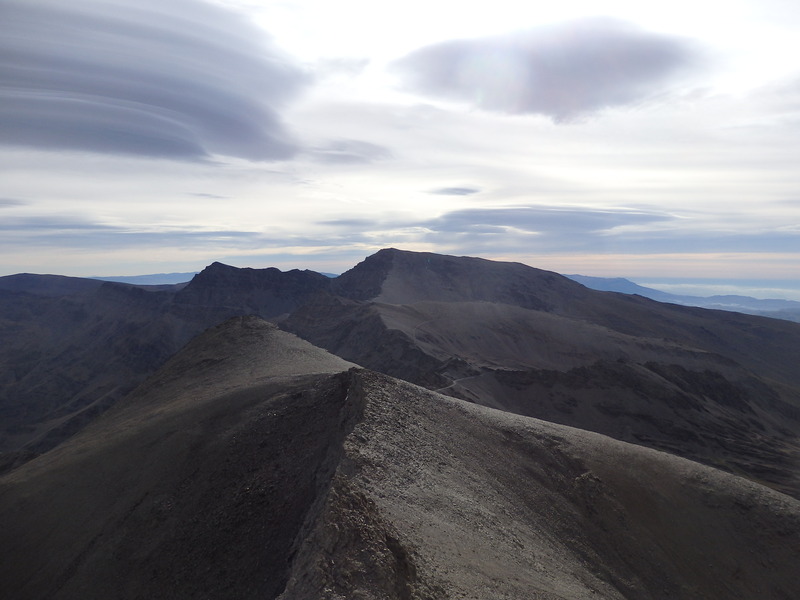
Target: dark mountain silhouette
pixel 68 358
pixel 256 465
pixel 265 292
pixel 48 285
pixel 544 453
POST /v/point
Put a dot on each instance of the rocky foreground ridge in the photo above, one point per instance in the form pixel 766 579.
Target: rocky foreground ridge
pixel 254 465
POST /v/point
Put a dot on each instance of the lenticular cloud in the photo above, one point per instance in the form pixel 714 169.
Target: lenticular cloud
pixel 563 72
pixel 181 79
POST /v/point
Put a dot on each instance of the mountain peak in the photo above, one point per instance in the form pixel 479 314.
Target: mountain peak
pixel 403 277
pixel 265 292
pixel 245 349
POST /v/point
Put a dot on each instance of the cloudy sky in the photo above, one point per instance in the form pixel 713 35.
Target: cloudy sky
pixel 648 140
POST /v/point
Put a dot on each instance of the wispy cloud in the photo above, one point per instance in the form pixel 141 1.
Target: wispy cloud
pixel 564 71
pixel 544 219
pixel 180 79
pixel 546 229
pixel 455 191
pixel 206 195
pixel 8 202
pixel 345 151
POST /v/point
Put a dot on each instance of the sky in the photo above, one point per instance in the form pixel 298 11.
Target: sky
pixel 623 138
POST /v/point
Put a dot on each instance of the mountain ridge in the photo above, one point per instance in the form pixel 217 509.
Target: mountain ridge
pixel 713 386
pixel 253 464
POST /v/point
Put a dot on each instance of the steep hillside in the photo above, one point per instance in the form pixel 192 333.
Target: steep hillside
pixel 69 358
pixel 254 465
pixel 436 498
pixel 768 346
pixel 194 486
pixel 717 387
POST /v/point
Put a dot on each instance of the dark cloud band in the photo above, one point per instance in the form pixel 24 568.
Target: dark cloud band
pixel 563 72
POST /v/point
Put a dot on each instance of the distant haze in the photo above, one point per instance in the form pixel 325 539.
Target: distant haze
pixel 784 289
pixel 156 279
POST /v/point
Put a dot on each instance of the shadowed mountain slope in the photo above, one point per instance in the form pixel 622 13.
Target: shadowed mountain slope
pixel 400 277
pixel 192 487
pixel 264 292
pixel 47 285
pixel 253 465
pixel 68 358
pixel 71 347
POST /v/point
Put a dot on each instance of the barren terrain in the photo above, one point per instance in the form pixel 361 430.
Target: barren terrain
pixel 421 427
pixel 255 465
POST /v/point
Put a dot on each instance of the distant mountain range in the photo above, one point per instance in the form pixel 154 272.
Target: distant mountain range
pixel 775 308
pixel 421 426
pixel 155 279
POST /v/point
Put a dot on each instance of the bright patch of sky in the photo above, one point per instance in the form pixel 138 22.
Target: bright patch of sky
pixel 623 139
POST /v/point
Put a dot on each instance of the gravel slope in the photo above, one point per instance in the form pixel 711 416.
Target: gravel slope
pixel 436 498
